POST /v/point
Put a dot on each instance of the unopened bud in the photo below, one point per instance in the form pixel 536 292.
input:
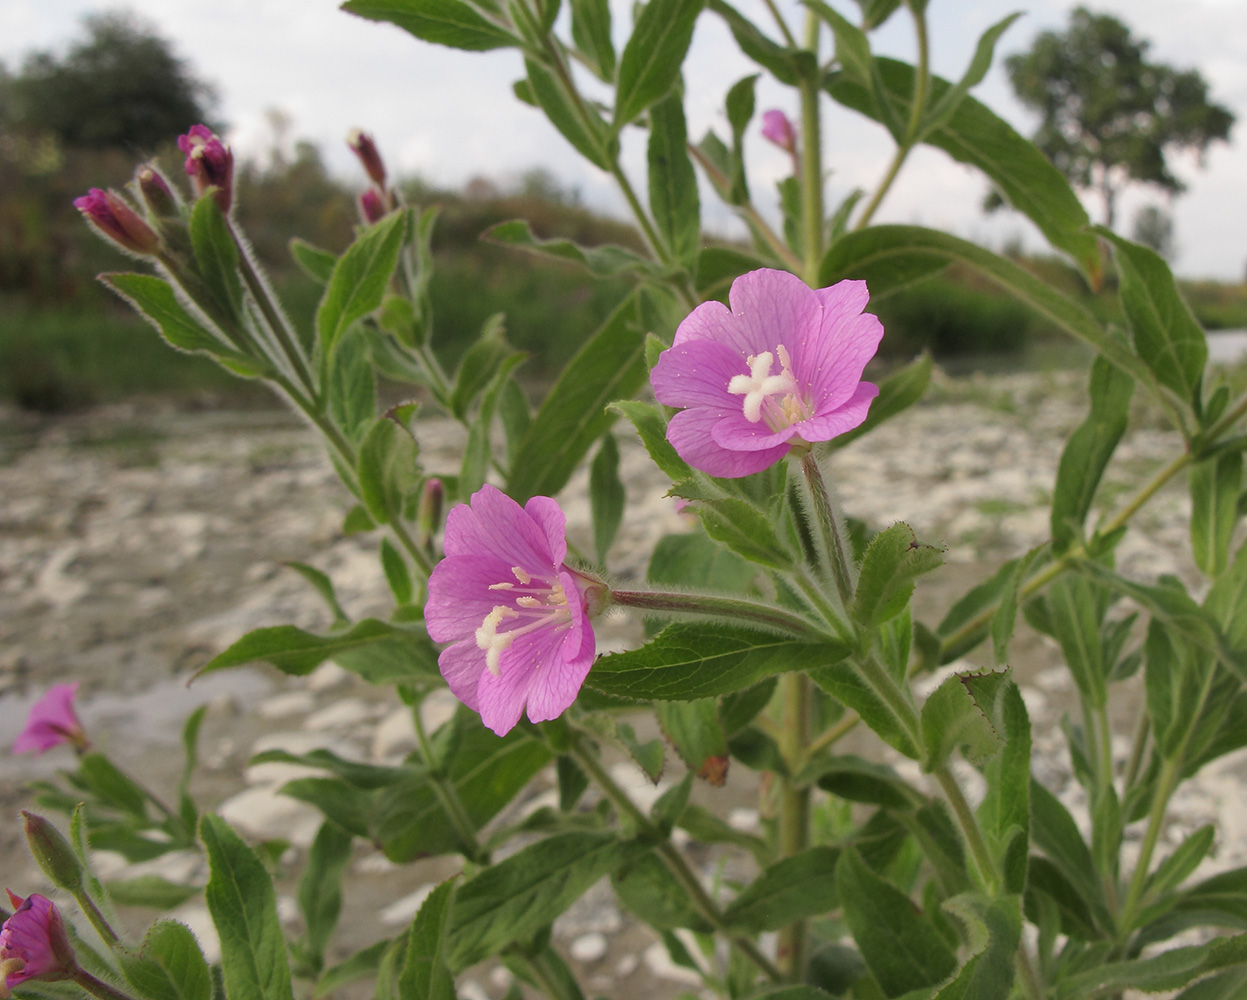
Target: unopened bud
pixel 209 163
pixel 108 212
pixel 362 146
pixel 156 192
pixel 778 129
pixel 432 502
pixel 372 207
pixel 52 853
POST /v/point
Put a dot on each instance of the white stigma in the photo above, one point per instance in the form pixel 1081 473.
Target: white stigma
pixel 759 385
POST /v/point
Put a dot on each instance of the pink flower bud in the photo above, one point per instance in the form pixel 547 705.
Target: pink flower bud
pixel 109 213
pixel 156 191
pixel 33 943
pixel 209 163
pixel 372 207
pixel 432 502
pixel 362 145
pixel 778 129
pixel 52 720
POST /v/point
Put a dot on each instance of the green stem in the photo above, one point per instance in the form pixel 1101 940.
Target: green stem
pixel 876 199
pixel 1142 727
pixel 671 857
pixel 899 700
pixel 989 878
pixel 99 988
pixel 830 533
pixel 96 918
pixel 1027 975
pixel 728 608
pixel 1165 785
pixel 537 966
pixel 449 797
pixel 794 809
pixel 819 600
pixel 811 164
pixel 781 23
pixel 830 735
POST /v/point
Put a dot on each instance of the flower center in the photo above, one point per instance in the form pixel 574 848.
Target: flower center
pixel 760 388
pixel 537 602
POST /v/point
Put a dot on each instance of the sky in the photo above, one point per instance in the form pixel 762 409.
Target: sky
pixel 449 116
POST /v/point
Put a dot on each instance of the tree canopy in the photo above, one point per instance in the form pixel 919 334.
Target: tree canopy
pixel 1109 115
pixel 120 87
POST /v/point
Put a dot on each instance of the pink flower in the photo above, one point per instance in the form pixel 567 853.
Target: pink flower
pixel 209 163
pixel 781 368
pixel 777 127
pixel 362 146
pixel 33 943
pixel 517 617
pixel 109 213
pixel 51 722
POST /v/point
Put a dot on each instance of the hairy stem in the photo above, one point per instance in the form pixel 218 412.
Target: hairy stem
pixel 727 608
pixel 99 988
pixel 446 794
pixel 794 809
pixel 811 164
pixel 988 877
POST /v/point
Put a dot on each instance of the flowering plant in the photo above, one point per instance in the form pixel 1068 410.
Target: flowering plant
pixel 938 867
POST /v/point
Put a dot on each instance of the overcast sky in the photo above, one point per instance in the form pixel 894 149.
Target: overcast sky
pixel 450 115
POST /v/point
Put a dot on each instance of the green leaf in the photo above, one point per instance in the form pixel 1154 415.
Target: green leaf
pixel 602 261
pixel 316 263
pixel 111 785
pixel 479 365
pixel 1215 486
pixel 216 256
pixel 352 385
pixel 1088 451
pixel 1054 832
pixel 939 111
pixel 1005 618
pixel 323 586
pixel 962 713
pixel 396 572
pixel 738 524
pixel 411 656
pixel 157 302
pixel 893 562
pixel 445 22
pixel 1073 610
pixel 651 426
pixel 1166 334
pixel 650 63
pixel 360 277
pixel 650 756
pixel 648 890
pixel 902 948
pixel 768 54
pixel 425 975
pixel 897 393
pixel 508 901
pixel 844 682
pixel 994 928
pixel 1178 866
pixel 794 888
pixel 606 496
pixel 388 469
pixel 363 963
pixel 320 889
pixel 673 198
pixel 858 64
pixel 578 123
pixel 1005 811
pixel 975 135
pixel 890 257
pixel 693 727
pixel 356 773
pixel 693 560
pixel 705 827
pixel 858 780
pixel 610 366
pixel 591 31
pixel 1170 970
pixel 240 898
pixel 697 660
pixel 740 101
pixel 169 965
pixel 149 890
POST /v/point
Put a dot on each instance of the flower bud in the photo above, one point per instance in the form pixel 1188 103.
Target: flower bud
pixel 52 853
pixel 372 206
pixel 209 163
pixel 108 212
pixel 429 513
pixel 362 146
pixel 778 129
pixel 156 192
pixel 33 943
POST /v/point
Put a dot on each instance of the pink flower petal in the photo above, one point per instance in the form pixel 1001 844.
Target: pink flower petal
pixel 459 594
pixel 691 433
pixel 492 522
pixel 697 373
pixel 844 418
pixel 738 434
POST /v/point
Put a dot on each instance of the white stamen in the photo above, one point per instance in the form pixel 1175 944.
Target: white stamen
pixel 527 601
pixel 502 586
pixel 759 384
pixel 521 575
pixel 491 640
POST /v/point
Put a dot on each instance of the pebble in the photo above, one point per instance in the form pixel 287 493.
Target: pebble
pixel 589 948
pixel 403 911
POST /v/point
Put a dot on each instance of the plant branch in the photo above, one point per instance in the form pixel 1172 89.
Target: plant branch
pixel 727 608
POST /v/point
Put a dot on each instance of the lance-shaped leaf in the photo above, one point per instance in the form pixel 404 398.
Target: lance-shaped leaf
pixel 903 948
pixel 651 424
pixel 606 496
pixel 893 562
pixel 1071 611
pixel 509 900
pixel 646 887
pixel 858 64
pixel 1166 334
pixel 738 524
pixel 591 31
pixel 940 110
pixel 610 366
pixel 994 927
pixel 964 713
pixel 1171 970
pixel 770 55
pixel 673 199
pixel 603 261
pixel 699 660
pixel 388 468
pixel 974 135
pixel 897 393
pixel 320 889
pixel 316 263
pixel 650 63
pixel 216 256
pixel 846 683
pixel 579 123
pixel 426 974
pixel 795 888
pixel 243 905
pixel 1215 487
pixel 359 280
pixel 1005 811
pixel 1054 832
pixel 446 22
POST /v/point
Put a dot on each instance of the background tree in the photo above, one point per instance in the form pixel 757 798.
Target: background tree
pixel 1153 227
pixel 1109 116
pixel 120 87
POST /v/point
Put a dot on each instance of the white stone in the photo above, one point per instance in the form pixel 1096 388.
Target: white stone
pixel 589 948
pixel 470 989
pixel 395 735
pixel 742 819
pixel 660 964
pixel 262 813
pixel 500 978
pixel 626 966
pixel 403 911
pixel 326 677
pixel 437 709
pixel 344 714
pixel 285 704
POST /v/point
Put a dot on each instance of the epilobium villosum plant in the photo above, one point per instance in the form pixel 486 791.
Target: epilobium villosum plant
pixel 926 893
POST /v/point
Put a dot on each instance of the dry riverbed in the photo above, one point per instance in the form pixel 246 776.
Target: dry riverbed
pixel 134 545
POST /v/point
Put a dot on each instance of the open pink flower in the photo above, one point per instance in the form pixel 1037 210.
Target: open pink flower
pixel 516 616
pixel 33 943
pixel 51 722
pixel 782 367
